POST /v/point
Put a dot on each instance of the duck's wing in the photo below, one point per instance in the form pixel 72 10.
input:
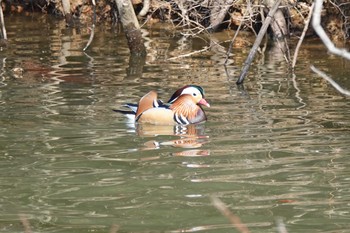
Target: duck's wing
pixel 148 101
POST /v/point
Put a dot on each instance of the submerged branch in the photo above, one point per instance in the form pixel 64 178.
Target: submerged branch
pixel 235 220
pixel 330 80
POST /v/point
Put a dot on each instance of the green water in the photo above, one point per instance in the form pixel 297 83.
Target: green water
pixel 275 150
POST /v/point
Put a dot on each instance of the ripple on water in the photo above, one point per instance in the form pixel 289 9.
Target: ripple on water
pixel 275 148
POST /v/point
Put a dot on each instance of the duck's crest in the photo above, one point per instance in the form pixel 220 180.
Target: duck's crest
pixel 179 92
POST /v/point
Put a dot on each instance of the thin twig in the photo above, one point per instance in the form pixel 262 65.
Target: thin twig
pixel 316 23
pixel 233 39
pixel 307 22
pixel 235 220
pixel 330 80
pixel 92 27
pixel 189 54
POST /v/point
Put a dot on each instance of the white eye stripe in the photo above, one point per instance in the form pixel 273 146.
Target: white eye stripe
pixel 191 91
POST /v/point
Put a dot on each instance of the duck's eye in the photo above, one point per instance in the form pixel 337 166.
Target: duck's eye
pixel 194 94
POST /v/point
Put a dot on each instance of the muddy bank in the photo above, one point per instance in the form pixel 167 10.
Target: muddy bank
pixel 193 16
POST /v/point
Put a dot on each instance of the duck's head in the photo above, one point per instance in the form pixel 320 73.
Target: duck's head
pixel 195 91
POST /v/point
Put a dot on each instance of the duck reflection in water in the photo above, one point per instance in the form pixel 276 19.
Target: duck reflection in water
pixel 179 116
pixel 191 137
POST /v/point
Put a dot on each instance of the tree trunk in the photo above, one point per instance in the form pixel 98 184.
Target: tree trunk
pixel 131 27
pixel 67 12
pixel 278 26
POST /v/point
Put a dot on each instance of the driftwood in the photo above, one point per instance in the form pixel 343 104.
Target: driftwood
pixel 131 27
pixel 257 42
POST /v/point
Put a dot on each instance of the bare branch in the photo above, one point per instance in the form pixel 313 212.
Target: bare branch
pixel 257 42
pixel 307 22
pixel 330 80
pixel 92 27
pixel 233 39
pixel 316 23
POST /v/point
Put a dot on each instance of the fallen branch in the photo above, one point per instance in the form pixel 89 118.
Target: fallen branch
pixel 235 220
pixel 307 22
pixel 330 80
pixel 257 42
pixel 316 23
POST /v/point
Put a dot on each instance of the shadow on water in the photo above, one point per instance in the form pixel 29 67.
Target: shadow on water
pixel 274 148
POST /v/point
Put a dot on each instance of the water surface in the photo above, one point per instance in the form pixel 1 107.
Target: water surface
pixel 274 149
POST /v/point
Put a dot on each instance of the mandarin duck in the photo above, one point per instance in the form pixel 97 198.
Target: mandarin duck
pixel 183 107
